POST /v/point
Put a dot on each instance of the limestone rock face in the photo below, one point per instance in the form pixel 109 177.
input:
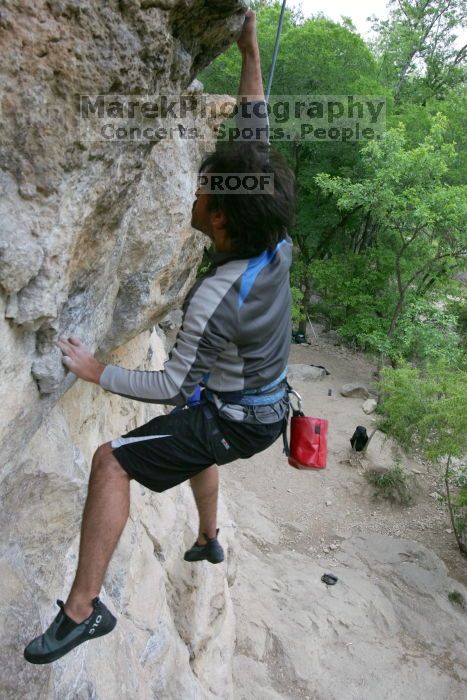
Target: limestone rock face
pixel 95 237
pixel 175 632
pixel 95 241
pixel 369 636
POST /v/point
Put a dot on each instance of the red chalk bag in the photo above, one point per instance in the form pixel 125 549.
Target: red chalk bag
pixel 308 439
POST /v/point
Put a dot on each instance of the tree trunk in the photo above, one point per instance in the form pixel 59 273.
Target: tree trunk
pixel 395 316
pixel 460 544
pixel 305 303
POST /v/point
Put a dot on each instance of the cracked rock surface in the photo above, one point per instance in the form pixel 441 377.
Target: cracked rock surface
pixel 95 237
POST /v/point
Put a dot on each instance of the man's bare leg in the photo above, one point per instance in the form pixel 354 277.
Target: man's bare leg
pixel 104 517
pixel 205 487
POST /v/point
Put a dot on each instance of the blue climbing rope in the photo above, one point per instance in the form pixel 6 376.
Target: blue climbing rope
pixel 276 48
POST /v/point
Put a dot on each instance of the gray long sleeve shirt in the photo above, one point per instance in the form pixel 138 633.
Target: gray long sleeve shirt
pixel 235 333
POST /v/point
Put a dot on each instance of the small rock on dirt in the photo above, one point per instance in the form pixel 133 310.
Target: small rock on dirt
pixel 305 373
pixel 355 391
pixel 369 406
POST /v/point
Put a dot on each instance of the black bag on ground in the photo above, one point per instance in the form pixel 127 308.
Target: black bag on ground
pixel 359 438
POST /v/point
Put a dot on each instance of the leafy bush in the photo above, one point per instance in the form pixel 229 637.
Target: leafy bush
pixel 425 408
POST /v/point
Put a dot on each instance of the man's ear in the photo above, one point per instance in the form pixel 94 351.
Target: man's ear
pixel 218 219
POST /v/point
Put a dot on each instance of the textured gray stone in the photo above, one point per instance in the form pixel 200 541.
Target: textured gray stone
pixel 172 321
pixel 355 391
pixel 369 406
pixel 49 371
pixel 305 373
pixel 409 645
pixel 21 256
pixel 95 237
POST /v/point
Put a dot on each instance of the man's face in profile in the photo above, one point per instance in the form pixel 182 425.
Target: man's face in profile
pixel 200 216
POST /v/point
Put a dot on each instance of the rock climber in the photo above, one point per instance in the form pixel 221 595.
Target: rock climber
pixel 232 348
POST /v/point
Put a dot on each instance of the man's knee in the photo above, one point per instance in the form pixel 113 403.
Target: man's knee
pixel 101 454
pixel 104 459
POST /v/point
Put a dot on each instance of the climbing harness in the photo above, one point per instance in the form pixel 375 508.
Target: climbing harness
pixel 308 436
pixel 261 396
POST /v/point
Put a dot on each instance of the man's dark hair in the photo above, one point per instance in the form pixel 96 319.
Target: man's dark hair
pixel 254 221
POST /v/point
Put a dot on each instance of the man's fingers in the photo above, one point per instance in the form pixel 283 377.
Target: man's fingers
pixel 66 347
pixel 69 343
pixel 248 33
pixel 249 18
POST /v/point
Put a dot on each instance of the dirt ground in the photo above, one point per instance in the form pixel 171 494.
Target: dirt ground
pixel 315 509
pixel 387 630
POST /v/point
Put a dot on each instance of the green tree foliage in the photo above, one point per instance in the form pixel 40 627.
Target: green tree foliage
pixel 417 241
pixel 320 57
pixel 417 47
pixel 417 118
pixel 421 61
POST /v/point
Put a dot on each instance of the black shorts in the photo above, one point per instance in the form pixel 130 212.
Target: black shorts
pixel 172 448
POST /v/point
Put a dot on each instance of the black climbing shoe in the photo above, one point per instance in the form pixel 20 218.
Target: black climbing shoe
pixel 212 551
pixel 64 634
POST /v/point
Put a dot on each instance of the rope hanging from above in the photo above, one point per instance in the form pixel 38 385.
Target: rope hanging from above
pixel 276 48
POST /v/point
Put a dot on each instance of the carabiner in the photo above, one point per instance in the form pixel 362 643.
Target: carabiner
pixel 299 398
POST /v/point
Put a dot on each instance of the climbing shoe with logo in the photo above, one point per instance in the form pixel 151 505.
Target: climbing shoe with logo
pixel 64 634
pixel 212 550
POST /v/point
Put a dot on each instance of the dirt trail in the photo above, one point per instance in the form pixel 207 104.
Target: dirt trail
pixel 294 525
pixel 306 521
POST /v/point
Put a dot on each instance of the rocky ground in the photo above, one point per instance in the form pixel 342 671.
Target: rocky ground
pixel 387 629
